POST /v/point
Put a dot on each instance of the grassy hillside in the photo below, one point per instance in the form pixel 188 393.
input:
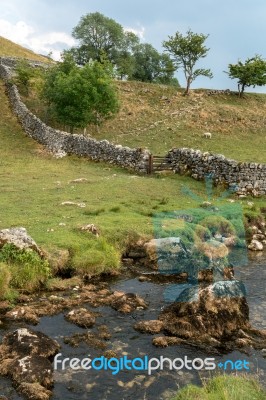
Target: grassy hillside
pixel 160 117
pixel 11 49
pixel 34 185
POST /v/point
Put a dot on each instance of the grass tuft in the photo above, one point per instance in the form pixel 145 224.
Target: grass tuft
pixel 224 387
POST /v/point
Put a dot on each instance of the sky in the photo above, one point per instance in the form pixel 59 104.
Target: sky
pixel 236 28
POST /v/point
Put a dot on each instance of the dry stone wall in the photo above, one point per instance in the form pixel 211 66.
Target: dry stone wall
pixel 244 177
pixel 62 143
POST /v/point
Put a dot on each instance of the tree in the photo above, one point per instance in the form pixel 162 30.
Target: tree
pixel 97 35
pixel 102 38
pixel 125 61
pixel 151 66
pixel 250 73
pixel 80 96
pixel 186 51
pixel 166 71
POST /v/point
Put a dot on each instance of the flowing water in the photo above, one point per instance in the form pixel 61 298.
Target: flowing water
pixel 138 385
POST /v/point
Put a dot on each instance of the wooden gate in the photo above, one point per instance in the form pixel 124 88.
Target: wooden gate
pixel 158 163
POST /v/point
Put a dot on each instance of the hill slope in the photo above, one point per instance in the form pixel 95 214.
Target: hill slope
pixel 159 117
pixel 11 49
pixel 34 186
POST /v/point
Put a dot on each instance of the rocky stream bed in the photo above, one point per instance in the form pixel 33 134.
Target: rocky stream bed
pixel 128 315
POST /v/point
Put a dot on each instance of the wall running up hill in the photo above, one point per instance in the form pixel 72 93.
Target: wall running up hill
pixel 245 178
pixel 62 143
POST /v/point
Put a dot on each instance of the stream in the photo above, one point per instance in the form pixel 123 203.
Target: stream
pixel 138 385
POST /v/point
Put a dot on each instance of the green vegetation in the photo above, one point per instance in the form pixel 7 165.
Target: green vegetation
pixel 224 387
pixel 98 256
pixel 34 185
pixel 27 270
pixel 99 36
pixel 5 277
pixel 102 38
pixel 151 66
pixel 27 76
pixel 186 51
pixel 80 96
pixel 250 73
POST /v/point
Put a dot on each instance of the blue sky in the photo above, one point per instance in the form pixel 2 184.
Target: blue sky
pixel 237 28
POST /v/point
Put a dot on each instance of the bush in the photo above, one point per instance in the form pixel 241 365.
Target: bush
pixel 28 271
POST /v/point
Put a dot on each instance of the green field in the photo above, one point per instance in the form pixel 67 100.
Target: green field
pixel 34 184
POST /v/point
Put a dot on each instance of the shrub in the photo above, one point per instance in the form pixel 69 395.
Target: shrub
pixel 28 271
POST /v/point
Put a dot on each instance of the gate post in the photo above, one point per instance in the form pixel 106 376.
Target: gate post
pixel 150 164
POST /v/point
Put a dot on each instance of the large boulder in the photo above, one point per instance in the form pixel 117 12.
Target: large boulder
pixel 219 309
pixel 25 356
pixel 20 239
pixel 168 253
pixel 171 256
pixel 215 317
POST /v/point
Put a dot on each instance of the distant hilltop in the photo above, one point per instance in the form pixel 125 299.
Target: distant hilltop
pixel 11 49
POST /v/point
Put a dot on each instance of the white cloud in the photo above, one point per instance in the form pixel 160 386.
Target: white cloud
pixel 139 32
pixel 18 32
pixel 25 35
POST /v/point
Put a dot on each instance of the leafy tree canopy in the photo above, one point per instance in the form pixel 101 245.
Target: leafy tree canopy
pixel 252 72
pixel 151 66
pixel 97 35
pixel 186 51
pixel 102 38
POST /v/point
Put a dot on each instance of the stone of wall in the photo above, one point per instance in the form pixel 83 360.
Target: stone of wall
pixel 62 143
pixel 245 177
pixel 12 62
